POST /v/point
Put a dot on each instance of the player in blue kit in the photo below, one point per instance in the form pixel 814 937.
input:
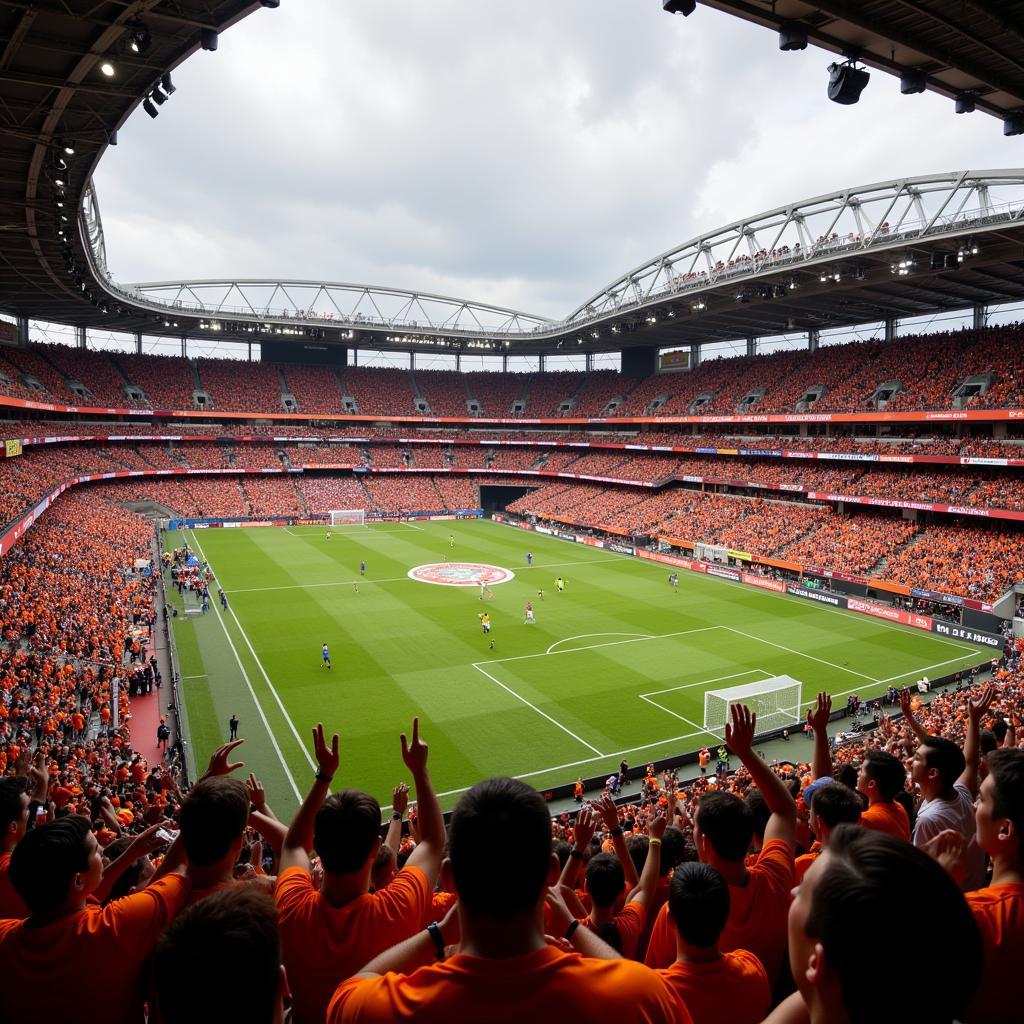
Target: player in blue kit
pixel 327 656
pixel 362 568
pixel 529 558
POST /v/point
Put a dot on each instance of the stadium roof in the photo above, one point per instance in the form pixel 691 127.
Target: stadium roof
pixel 826 262
pixel 963 46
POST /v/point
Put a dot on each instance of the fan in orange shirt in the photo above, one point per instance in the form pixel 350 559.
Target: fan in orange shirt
pixel 723 830
pixel 503 972
pixel 14 804
pixel 328 934
pixel 713 986
pixel 71 954
pixel 999 908
pixel 880 778
pixel 832 804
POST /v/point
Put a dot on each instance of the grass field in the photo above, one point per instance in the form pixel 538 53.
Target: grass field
pixel 615 667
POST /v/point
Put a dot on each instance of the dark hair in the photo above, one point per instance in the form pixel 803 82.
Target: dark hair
pixel 871 886
pixel 605 879
pixel 220 960
pixel 944 756
pixel 12 789
pixel 987 742
pixel 345 830
pixel 213 817
pixel 754 799
pixel 561 849
pixel 1006 769
pixel 836 804
pixel 496 823
pixel 727 823
pixel 887 772
pixel 46 861
pixel 698 900
pixel 999 729
pixel 638 848
pixel 673 848
pixel 847 775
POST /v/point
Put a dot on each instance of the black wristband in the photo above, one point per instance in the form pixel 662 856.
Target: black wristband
pixel 576 854
pixel 617 831
pixel 435 934
pixel 396 816
pixel 320 777
pixel 573 925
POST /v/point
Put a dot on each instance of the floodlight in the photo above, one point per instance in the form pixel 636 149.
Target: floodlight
pixel 147 106
pixel 683 7
pixel 168 86
pixel 270 3
pixel 208 39
pixel 158 96
pixel 107 69
pixel 68 147
pixel 1013 124
pixel 965 103
pixel 913 81
pixel 139 39
pixel 793 36
pixel 846 82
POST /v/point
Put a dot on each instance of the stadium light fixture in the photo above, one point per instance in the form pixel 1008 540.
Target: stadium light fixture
pixel 107 69
pixel 965 103
pixel 112 138
pixel 823 277
pixel 67 147
pixel 912 81
pixel 139 39
pixel 272 4
pixel 652 319
pixel 1013 124
pixel 699 305
pixel 168 86
pixel 683 7
pixel 158 96
pixel 208 39
pixel 793 36
pixel 147 106
pixel 846 82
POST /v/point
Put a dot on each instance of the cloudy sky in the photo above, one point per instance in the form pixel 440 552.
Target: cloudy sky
pixel 523 154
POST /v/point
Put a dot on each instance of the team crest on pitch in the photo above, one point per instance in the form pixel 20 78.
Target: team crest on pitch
pixel 461 574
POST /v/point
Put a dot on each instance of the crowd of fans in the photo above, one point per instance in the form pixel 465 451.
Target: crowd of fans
pixel 314 388
pixel 255 387
pixel 444 392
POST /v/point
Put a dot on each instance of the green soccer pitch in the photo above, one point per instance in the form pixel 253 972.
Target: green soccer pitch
pixel 616 666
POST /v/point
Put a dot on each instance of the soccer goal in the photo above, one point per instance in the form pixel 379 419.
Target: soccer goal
pixel 348 517
pixel 776 701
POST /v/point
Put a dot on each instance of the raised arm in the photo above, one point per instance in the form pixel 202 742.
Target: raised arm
pixel 586 826
pixel 610 816
pixel 977 704
pixel 430 848
pixel 818 719
pixel 739 735
pixel 399 802
pixel 298 841
pixel 142 845
pixel 908 716
pixel 644 892
pixel 583 940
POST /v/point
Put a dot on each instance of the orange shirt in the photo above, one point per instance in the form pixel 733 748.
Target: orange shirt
pixel 546 985
pixel 11 904
pixel 734 988
pixel 999 913
pixel 758 914
pixel 323 945
pixel 890 818
pixel 805 860
pixel 89 963
pixel 630 924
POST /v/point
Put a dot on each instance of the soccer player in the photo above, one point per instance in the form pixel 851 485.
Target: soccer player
pixel 327 656
pixel 540 594
pixel 560 584
pixel 529 614
pixel 485 622
pixel 529 558
pixel 451 540
pixel 362 568
pixel 328 535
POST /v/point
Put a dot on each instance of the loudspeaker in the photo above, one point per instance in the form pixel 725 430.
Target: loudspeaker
pixel 846 83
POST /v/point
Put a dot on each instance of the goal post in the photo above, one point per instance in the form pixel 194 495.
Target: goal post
pixel 777 702
pixel 348 517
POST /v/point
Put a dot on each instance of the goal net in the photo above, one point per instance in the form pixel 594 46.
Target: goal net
pixel 776 702
pixel 348 517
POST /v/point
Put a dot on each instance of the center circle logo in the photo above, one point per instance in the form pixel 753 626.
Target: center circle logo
pixel 461 574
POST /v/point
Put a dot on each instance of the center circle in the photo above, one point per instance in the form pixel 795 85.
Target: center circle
pixel 461 574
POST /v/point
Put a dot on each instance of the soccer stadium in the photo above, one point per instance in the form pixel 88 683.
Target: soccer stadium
pixel 369 653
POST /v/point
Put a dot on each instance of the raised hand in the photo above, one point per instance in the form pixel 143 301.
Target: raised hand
pixel 608 811
pixel 949 848
pixel 586 826
pixel 980 701
pixel 326 756
pixel 414 754
pixel 400 798
pixel 38 774
pixel 905 703
pixel 561 916
pixel 219 760
pixel 656 826
pixel 257 796
pixel 818 716
pixel 739 731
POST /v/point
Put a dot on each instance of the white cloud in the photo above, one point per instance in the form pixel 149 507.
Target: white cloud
pixel 522 154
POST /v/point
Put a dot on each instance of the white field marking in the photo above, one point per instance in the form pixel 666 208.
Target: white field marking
pixel 263 671
pixel 256 701
pixel 544 714
pixel 583 636
pixel 363 579
pixel 202 675
pixel 704 682
pixel 611 643
pixel 586 760
pixel 801 654
pixel 790 598
pixel 891 679
pixel 682 718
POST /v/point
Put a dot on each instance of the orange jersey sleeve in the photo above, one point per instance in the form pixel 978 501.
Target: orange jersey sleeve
pixel 999 913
